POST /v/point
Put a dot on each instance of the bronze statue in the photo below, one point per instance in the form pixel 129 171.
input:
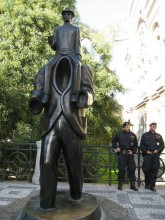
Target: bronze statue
pixel 64 88
pixel 65 41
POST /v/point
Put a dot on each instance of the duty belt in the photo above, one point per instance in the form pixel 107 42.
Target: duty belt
pixel 124 151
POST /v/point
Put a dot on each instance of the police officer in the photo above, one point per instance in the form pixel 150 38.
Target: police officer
pixel 125 144
pixel 151 145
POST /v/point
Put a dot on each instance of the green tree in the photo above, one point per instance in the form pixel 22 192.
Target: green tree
pixel 25 26
pixel 105 115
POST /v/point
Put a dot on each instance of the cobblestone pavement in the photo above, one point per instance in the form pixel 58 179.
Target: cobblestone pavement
pixel 117 205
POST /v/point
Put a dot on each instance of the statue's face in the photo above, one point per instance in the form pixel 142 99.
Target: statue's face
pixel 67 16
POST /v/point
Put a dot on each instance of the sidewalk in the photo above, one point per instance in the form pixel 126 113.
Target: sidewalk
pixel 125 204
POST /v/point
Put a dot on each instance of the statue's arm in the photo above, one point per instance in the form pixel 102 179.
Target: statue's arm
pixel 52 40
pixel 78 44
pixel 36 103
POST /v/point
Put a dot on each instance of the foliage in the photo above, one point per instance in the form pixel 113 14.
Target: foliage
pixel 22 133
pixel 104 117
pixel 25 26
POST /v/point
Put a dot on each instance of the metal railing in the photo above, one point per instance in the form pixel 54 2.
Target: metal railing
pixel 100 164
pixel 17 161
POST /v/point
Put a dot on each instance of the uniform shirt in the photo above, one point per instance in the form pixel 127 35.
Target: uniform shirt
pixel 151 141
pixel 126 141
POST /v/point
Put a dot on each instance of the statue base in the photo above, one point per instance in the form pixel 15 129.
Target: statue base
pixel 66 209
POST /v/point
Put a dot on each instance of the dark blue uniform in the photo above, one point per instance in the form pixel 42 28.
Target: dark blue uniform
pixel 126 141
pixel 150 142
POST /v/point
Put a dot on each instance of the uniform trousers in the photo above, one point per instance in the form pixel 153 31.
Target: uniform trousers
pixel 150 168
pixel 126 161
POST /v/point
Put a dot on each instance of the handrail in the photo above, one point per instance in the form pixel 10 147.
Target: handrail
pixel 100 163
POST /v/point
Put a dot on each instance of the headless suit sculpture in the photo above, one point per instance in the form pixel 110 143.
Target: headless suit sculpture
pixel 64 89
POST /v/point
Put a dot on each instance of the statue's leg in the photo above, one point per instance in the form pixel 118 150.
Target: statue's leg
pixel 72 151
pixel 76 79
pixel 48 72
pixel 50 152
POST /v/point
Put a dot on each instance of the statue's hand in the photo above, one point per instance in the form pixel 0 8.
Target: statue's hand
pixel 79 57
pixel 85 99
pixel 35 103
pixel 45 98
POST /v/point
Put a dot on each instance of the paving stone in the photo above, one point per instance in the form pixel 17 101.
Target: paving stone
pixel 157 216
pixel 20 187
pixel 149 206
pixel 123 199
pixel 14 192
pixel 117 205
pixel 99 191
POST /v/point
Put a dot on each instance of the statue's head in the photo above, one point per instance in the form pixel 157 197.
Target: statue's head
pixel 67 14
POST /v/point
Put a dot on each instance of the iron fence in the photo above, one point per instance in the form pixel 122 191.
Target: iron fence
pixel 100 164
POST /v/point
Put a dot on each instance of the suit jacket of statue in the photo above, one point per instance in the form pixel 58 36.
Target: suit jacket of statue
pixel 59 102
pixel 66 39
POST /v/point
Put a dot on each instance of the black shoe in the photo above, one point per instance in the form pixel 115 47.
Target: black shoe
pixel 120 187
pixel 152 188
pixel 147 187
pixel 133 188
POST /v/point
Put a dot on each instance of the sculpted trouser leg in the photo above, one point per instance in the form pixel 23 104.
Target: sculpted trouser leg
pixel 60 137
pixel 76 74
pixel 50 152
pixel 76 79
pixel 72 151
pixel 48 72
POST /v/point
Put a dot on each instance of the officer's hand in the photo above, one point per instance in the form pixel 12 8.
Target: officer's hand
pixel 149 152
pixel 155 151
pixel 118 149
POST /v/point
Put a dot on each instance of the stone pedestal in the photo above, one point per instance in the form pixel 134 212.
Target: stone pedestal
pixel 66 209
pixel 36 176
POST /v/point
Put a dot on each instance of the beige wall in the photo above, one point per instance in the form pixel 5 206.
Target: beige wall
pixel 145 62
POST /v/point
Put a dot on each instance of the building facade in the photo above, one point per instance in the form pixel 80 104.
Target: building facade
pixel 145 65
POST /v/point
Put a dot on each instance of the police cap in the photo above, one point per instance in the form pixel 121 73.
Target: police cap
pixel 125 124
pixel 153 123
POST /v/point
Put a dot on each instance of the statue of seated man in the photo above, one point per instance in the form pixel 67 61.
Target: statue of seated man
pixel 63 89
pixel 66 42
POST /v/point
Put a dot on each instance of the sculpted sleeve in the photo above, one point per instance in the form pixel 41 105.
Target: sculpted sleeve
pixel 52 40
